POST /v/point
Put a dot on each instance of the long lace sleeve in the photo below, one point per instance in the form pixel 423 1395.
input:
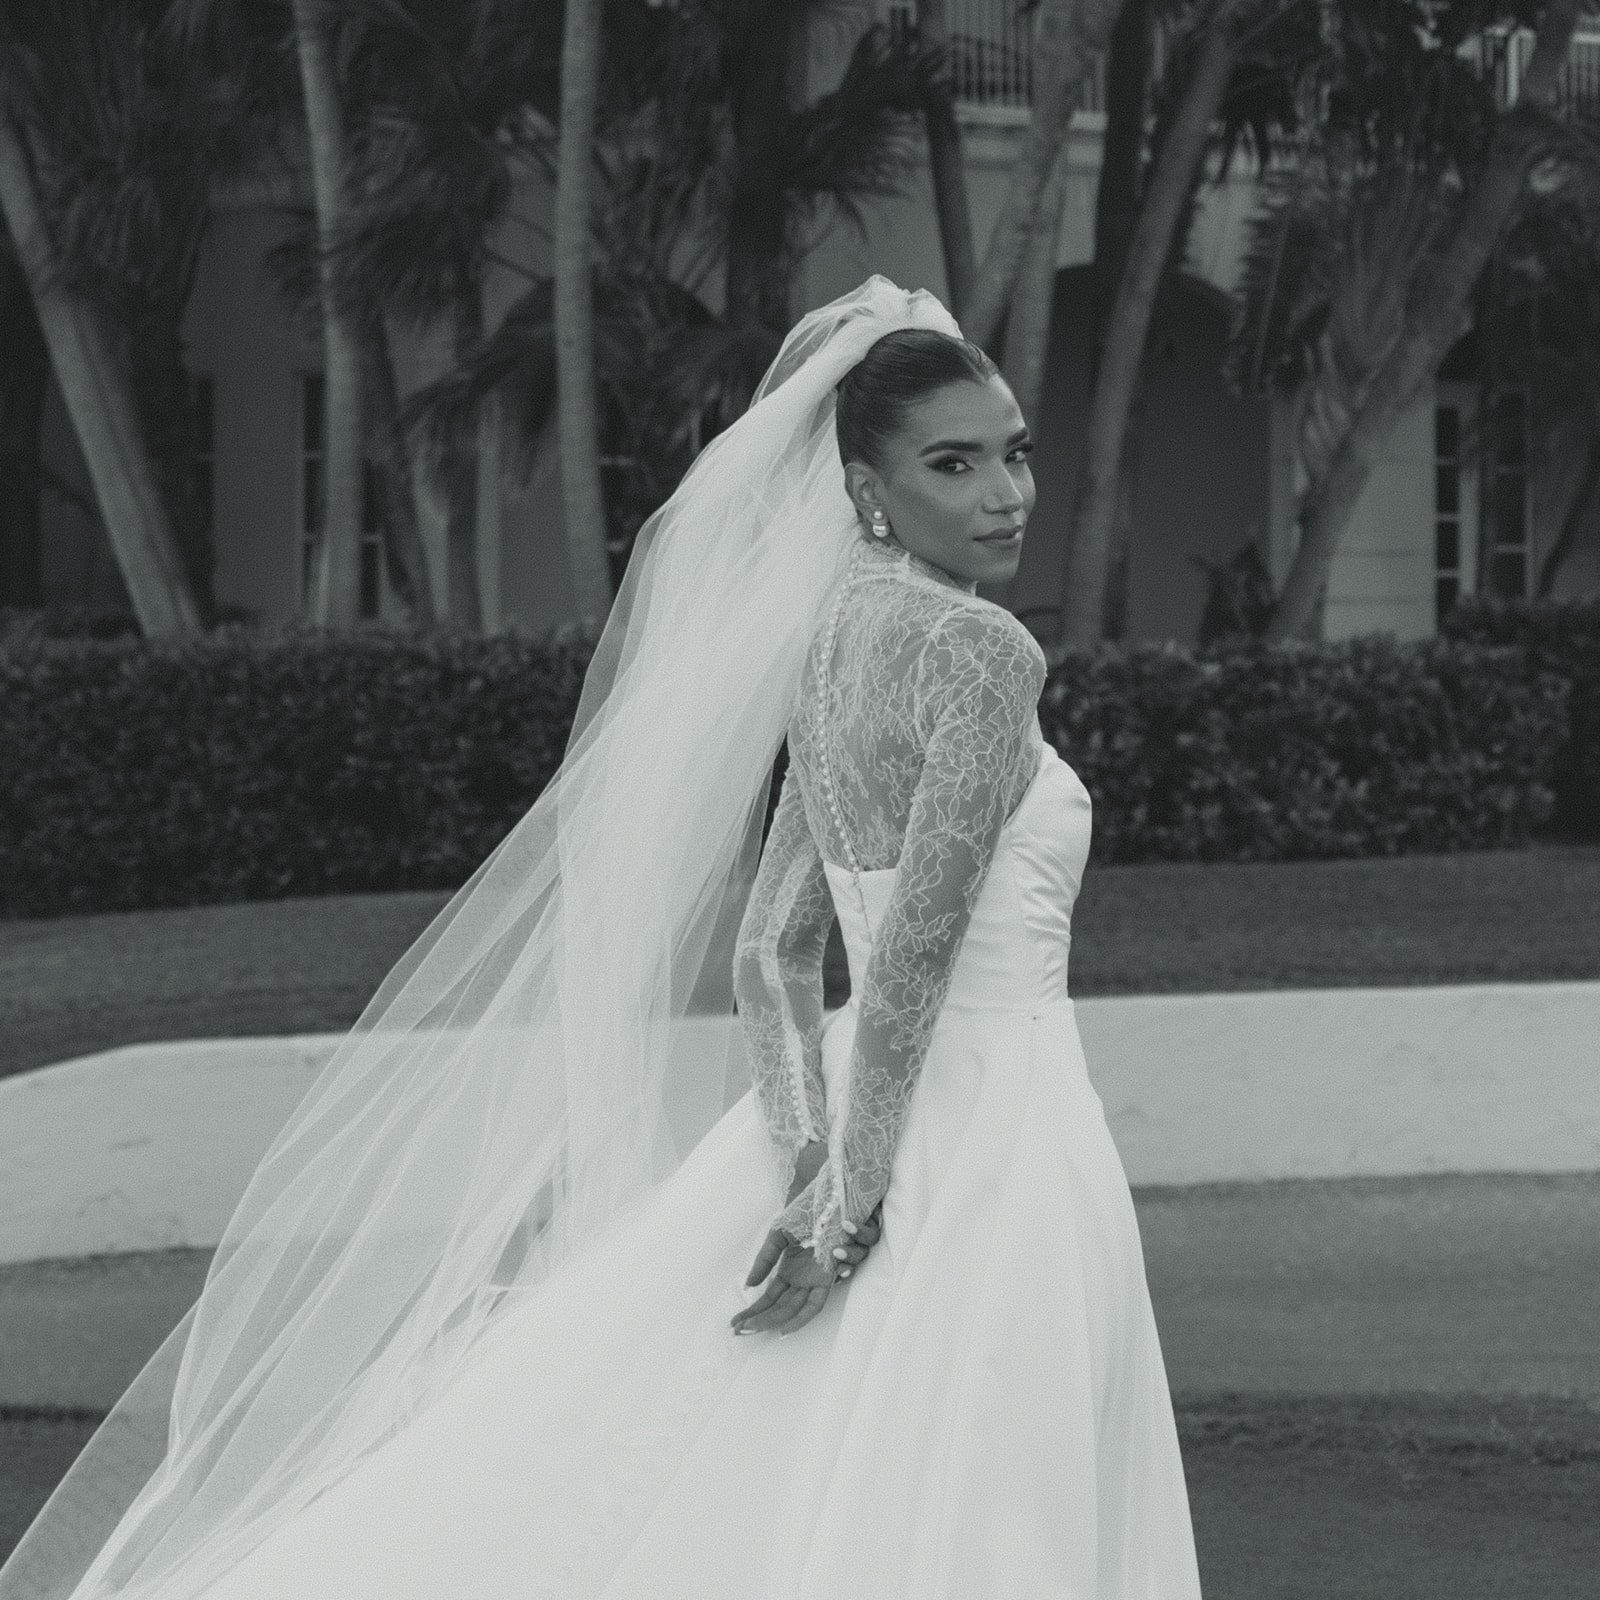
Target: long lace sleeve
pixel 778 980
pixel 980 676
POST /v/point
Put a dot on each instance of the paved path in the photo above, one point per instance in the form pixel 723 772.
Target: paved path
pixel 1442 1285
pixel 1319 1338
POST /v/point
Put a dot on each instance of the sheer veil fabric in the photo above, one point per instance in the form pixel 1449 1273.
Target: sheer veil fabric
pixel 503 1102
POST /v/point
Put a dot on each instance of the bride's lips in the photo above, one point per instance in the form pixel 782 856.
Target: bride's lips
pixel 1011 535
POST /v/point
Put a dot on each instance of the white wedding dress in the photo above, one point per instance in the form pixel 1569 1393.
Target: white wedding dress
pixel 981 1412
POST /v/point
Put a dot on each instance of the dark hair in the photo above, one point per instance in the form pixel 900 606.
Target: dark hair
pixel 902 367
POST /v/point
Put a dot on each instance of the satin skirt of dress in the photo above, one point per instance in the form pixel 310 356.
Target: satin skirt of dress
pixel 980 1413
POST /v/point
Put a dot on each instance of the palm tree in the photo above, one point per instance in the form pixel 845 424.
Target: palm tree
pixel 336 593
pixel 1027 326
pixel 1432 314
pixel 1538 321
pixel 434 88
pixel 946 164
pixel 251 57
pixel 1145 257
pixel 1130 80
pixel 794 167
pixel 686 162
pixel 579 416
pixel 24 387
pixel 103 183
pixel 1070 35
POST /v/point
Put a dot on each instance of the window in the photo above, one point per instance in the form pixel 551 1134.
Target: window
pixel 1506 502
pixel 1447 541
pixel 313 490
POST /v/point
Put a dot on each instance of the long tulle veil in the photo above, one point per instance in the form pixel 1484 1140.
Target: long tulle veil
pixel 532 1067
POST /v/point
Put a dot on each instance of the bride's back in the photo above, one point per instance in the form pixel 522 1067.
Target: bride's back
pixel 912 649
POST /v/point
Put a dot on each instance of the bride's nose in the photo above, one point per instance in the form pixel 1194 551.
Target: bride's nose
pixel 1004 497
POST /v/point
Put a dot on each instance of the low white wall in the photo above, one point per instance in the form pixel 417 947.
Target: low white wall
pixel 1314 1083
pixel 149 1147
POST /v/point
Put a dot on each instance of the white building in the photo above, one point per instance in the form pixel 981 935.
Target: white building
pixel 1215 470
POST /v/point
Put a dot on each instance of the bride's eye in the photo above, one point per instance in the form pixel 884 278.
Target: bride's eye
pixel 950 461
pixel 1022 452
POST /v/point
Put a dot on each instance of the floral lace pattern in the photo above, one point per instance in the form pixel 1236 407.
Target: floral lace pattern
pixel 911 744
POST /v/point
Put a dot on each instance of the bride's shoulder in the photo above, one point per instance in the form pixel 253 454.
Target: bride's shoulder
pixel 977 634
pixel 977 649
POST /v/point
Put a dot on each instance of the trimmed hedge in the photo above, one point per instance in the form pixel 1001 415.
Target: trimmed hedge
pixel 236 768
pixel 1365 747
pixel 248 766
pixel 1563 637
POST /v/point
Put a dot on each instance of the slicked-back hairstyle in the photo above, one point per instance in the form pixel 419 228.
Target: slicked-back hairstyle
pixel 896 372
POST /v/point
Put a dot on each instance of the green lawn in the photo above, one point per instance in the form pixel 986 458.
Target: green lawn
pixel 1474 917
pixel 76 984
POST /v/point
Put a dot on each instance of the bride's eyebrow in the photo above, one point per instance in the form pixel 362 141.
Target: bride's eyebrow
pixel 971 445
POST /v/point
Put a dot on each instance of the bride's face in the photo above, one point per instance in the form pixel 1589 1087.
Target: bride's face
pixel 954 482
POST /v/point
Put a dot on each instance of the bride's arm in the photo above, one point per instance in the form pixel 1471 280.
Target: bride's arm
pixel 979 680
pixel 777 982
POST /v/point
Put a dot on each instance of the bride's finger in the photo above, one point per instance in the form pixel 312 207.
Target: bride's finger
pixel 778 1314
pixel 767 1300
pixel 766 1258
pixel 814 1301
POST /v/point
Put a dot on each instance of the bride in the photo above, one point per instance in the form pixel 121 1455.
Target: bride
pixel 486 1322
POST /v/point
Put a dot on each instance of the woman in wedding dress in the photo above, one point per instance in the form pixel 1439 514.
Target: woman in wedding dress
pixel 940 1379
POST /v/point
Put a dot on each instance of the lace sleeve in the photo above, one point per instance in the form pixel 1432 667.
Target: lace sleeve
pixel 980 676
pixel 778 980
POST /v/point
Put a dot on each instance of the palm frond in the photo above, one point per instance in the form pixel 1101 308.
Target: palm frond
pixel 514 365
pixel 858 142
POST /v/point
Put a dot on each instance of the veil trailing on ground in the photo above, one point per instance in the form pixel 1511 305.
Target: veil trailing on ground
pixel 532 1067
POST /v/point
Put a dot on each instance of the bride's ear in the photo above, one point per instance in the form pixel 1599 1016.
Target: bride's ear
pixel 865 489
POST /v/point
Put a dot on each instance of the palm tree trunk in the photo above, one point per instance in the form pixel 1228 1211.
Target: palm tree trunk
pixel 1572 523
pixel 759 257
pixel 1432 325
pixel 336 598
pixel 1070 34
pixel 579 415
pixel 404 551
pixel 1027 338
pixel 461 540
pixel 24 388
pixel 947 169
pixel 1116 211
pixel 164 395
pixel 98 394
pixel 1117 189
pixel 1119 560
pixel 1083 599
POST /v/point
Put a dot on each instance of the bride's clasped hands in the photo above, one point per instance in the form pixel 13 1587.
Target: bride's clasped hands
pixel 797 1284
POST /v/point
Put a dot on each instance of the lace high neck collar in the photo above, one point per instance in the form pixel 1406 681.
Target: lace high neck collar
pixel 885 555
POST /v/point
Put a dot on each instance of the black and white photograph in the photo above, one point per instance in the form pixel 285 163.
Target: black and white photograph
pixel 799 800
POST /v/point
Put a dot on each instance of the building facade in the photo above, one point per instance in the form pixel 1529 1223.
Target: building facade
pixel 1461 502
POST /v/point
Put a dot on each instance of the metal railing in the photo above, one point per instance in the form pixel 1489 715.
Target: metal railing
pixel 991 58
pixel 1505 55
pixel 991 53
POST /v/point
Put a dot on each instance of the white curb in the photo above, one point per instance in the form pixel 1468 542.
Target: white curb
pixel 149 1147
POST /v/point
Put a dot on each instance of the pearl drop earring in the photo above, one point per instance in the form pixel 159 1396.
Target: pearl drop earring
pixel 880 524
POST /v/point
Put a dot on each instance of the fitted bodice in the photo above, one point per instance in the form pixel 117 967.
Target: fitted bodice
pixel 1014 953
pixel 916 760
